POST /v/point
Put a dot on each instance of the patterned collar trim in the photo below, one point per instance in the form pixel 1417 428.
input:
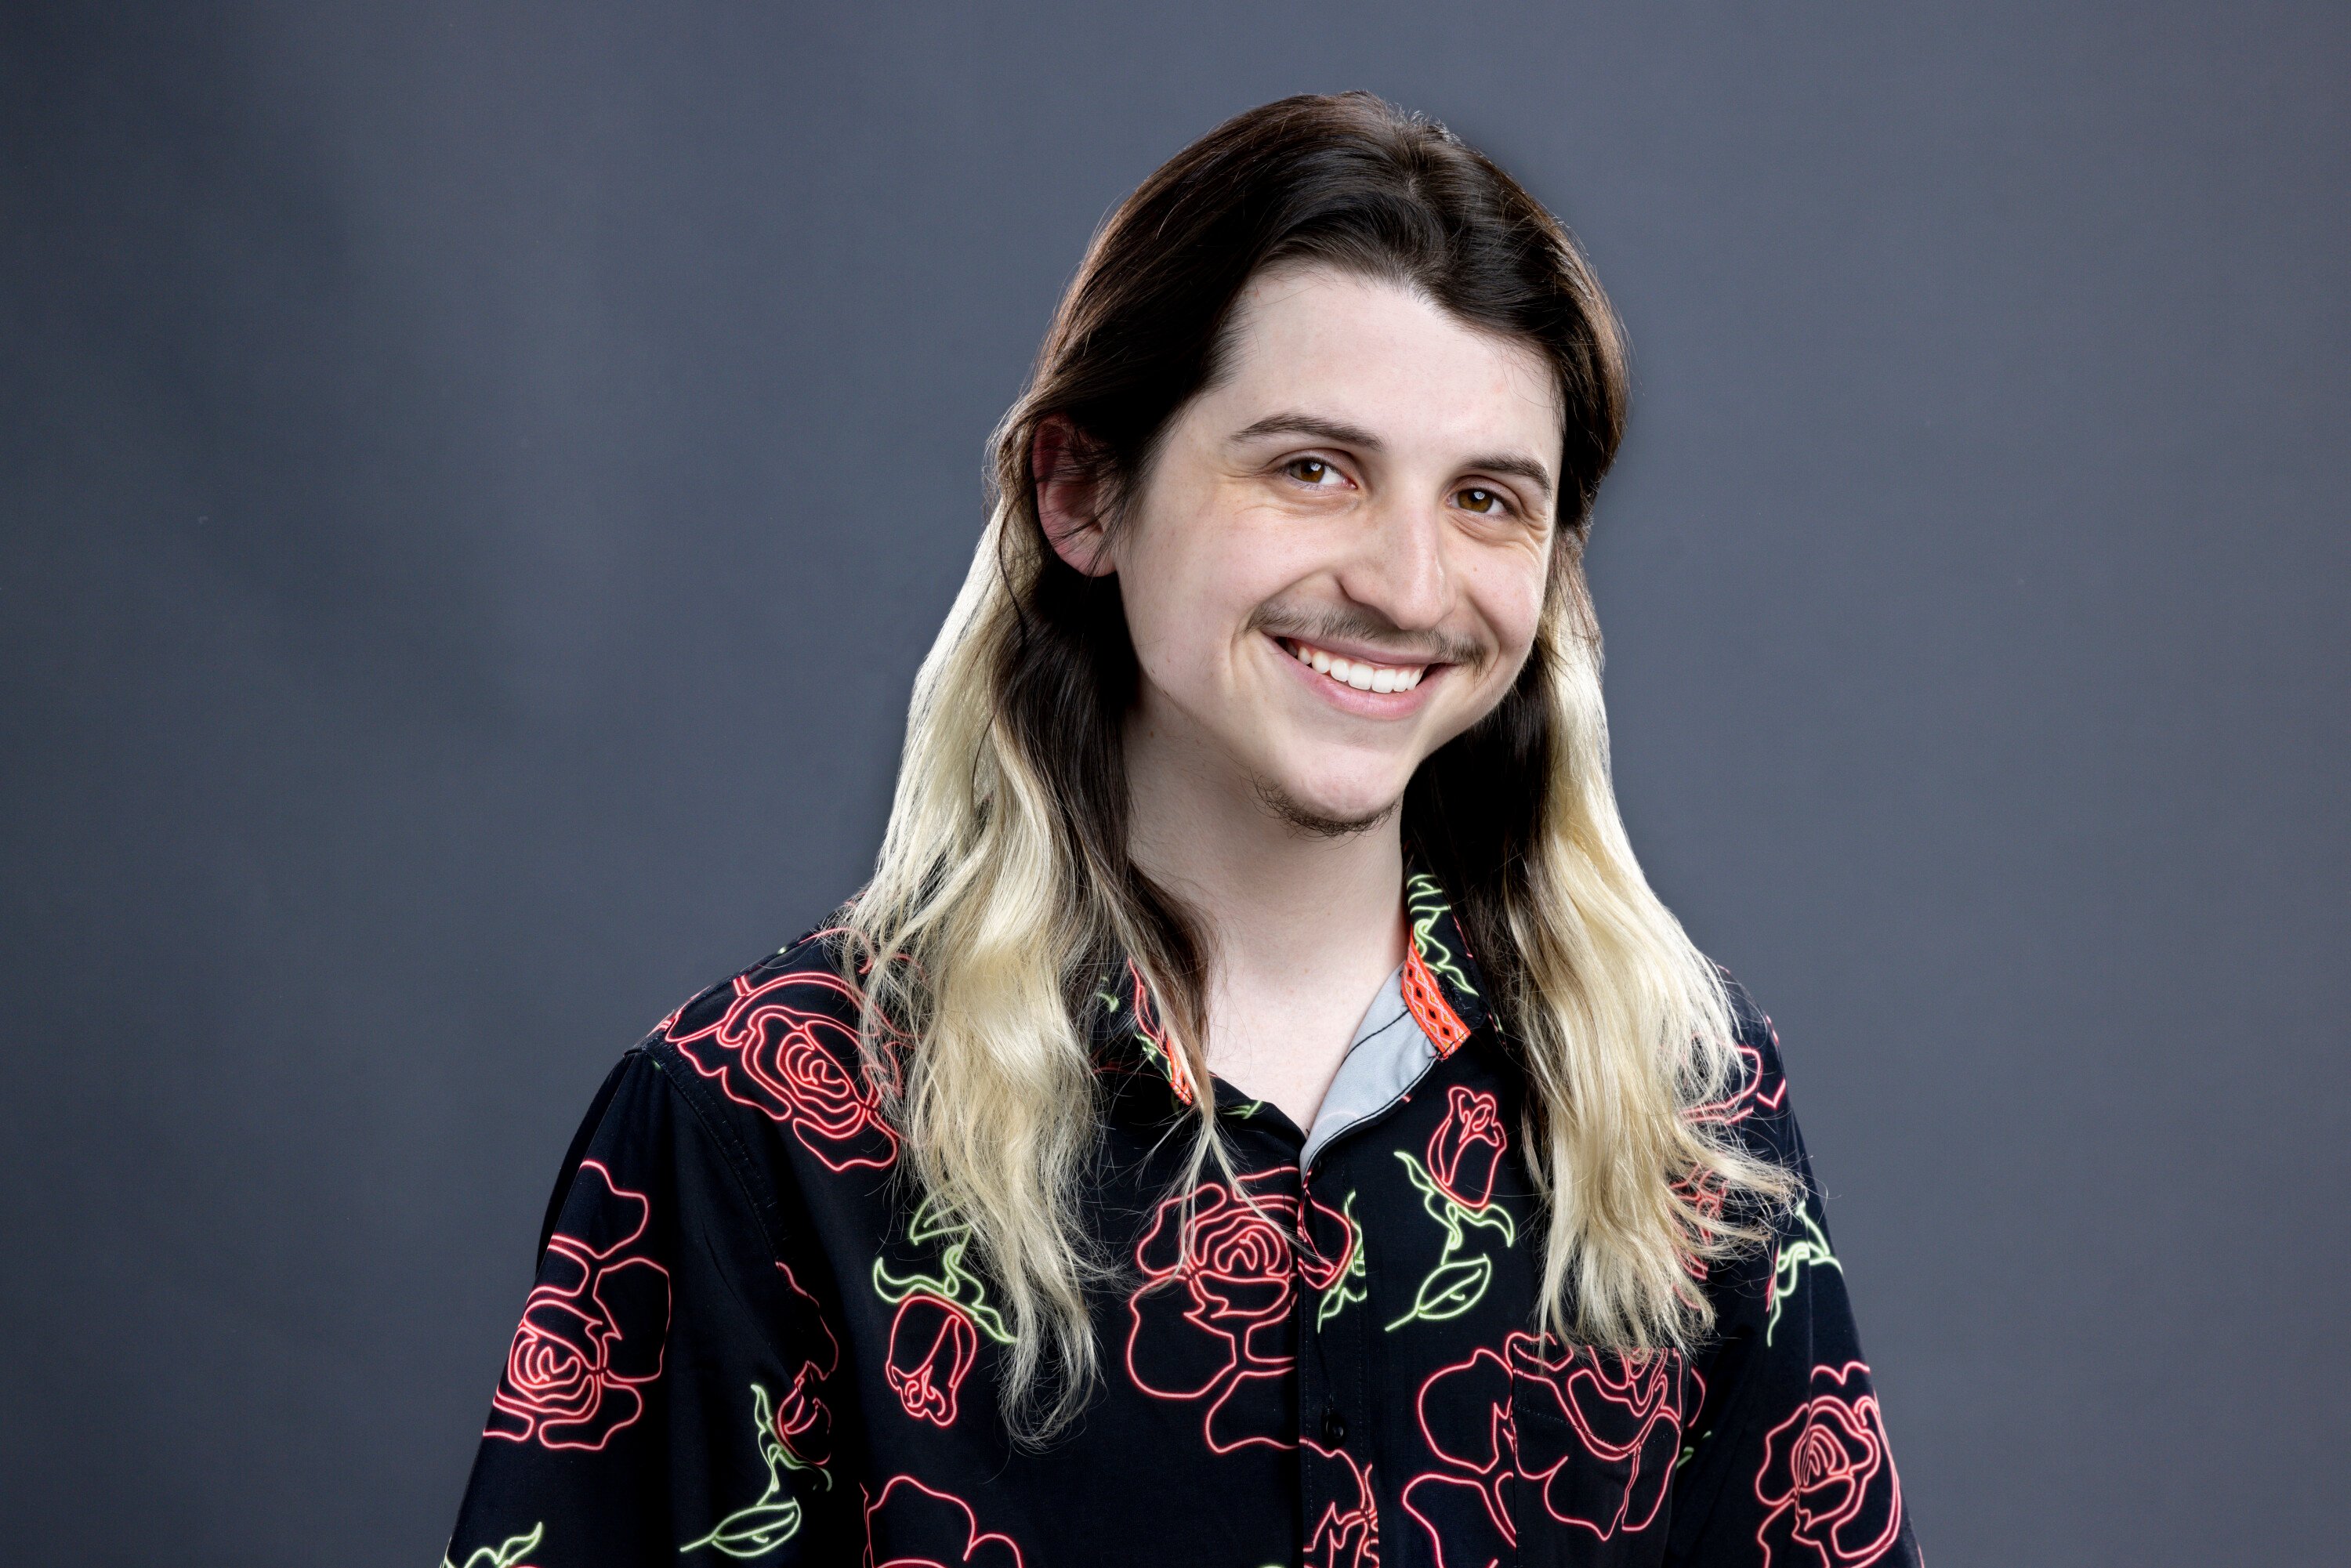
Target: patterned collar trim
pixel 1441 984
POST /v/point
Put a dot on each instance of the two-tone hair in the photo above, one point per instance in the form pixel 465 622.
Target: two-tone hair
pixel 1005 885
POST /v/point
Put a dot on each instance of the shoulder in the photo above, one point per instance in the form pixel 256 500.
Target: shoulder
pixel 806 975
pixel 774 1049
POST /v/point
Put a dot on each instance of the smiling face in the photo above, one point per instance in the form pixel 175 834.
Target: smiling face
pixel 1335 561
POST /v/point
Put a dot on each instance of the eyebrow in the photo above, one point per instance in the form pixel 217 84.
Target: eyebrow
pixel 1340 433
pixel 1526 468
pixel 1322 429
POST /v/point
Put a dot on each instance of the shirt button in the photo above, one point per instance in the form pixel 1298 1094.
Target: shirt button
pixel 1334 1428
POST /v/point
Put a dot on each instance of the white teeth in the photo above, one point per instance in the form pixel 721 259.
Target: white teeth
pixel 1363 677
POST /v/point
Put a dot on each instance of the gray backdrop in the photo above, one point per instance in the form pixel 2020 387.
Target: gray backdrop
pixel 477 482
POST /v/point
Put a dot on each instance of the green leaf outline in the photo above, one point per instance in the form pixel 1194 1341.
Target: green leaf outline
pixel 953 1281
pixel 1810 1250
pixel 762 1526
pixel 1450 1212
pixel 771 1447
pixel 1424 902
pixel 505 1554
pixel 1448 1292
pixel 753 1532
pixel 1344 1290
pixel 1452 1288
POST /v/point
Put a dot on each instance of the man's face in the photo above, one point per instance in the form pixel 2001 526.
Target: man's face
pixel 1336 561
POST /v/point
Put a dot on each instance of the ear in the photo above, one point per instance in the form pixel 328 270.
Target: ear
pixel 1067 500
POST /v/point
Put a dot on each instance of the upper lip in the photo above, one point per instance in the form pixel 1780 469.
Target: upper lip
pixel 1361 653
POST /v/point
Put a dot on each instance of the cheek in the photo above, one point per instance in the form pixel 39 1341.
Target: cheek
pixel 1190 584
pixel 1168 613
pixel 1509 599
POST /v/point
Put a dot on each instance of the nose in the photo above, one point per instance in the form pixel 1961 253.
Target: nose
pixel 1399 568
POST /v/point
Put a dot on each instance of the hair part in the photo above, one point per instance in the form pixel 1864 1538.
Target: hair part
pixel 1005 886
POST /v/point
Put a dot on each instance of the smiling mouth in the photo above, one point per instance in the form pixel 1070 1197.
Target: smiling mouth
pixel 1355 673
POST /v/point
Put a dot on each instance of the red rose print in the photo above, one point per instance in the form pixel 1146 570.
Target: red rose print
pixel 779 1046
pixel 1703 1194
pixel 591 1331
pixel 1749 1097
pixel 1624 1413
pixel 803 1424
pixel 1467 1145
pixel 1212 1313
pixel 1465 1419
pixel 1828 1478
pixel 1457 1189
pixel 932 1344
pixel 1350 1537
pixel 1594 1438
pixel 911 1526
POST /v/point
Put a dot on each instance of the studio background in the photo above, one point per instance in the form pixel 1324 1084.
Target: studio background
pixel 477 481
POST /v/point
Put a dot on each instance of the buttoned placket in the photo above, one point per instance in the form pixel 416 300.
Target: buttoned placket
pixel 1330 1359
pixel 1415 1022
pixel 1389 1056
pixel 1332 1386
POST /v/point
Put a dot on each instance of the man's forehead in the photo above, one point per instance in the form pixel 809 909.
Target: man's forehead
pixel 1380 361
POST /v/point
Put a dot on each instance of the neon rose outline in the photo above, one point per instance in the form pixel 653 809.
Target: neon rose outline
pixel 1619 1415
pixel 802 1423
pixel 1480 1449
pixel 587 1338
pixel 1748 1097
pixel 1625 1411
pixel 1828 1478
pixel 1350 1539
pixel 786 1061
pixel 794 1433
pixel 772 1517
pixel 917 1516
pixel 1467 1148
pixel 1237 1275
pixel 949 1278
pixel 932 1346
pixel 1468 1141
pixel 1703 1194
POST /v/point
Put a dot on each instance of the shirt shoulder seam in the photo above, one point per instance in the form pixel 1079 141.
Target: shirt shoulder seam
pixel 758 1193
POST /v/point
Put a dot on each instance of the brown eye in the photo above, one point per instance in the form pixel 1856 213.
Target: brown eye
pixel 1307 470
pixel 1477 498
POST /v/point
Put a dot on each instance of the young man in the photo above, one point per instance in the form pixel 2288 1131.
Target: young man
pixel 1065 1202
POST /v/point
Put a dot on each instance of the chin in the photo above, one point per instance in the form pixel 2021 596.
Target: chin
pixel 1326 811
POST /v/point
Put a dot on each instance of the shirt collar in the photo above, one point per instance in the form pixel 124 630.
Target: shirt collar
pixel 1441 984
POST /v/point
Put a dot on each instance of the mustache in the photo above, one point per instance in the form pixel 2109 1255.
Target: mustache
pixel 1362 624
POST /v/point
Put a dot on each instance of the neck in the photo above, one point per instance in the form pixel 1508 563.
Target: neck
pixel 1300 927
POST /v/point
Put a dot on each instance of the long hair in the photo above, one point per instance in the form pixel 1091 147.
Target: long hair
pixel 1005 886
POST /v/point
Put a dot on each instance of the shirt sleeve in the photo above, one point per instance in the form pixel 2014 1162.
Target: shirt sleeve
pixel 663 1397
pixel 1787 1464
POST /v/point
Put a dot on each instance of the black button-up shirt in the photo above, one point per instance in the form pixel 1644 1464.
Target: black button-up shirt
pixel 750 1341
